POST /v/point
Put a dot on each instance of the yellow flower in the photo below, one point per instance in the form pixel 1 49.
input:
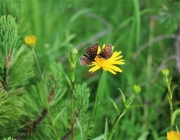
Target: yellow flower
pixel 173 135
pixel 30 41
pixel 108 64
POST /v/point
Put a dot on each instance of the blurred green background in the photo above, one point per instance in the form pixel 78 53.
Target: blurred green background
pixel 144 30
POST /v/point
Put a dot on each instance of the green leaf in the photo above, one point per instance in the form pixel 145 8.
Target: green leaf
pixel 114 104
pixel 81 97
pixel 175 113
pixel 59 114
pixel 67 78
pixel 80 128
pixel 21 70
pixel 174 88
pixel 143 136
pixel 106 130
pixel 123 97
pixel 99 137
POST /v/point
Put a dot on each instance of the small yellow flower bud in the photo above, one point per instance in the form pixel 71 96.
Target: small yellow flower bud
pixel 165 72
pixel 30 41
pixel 137 89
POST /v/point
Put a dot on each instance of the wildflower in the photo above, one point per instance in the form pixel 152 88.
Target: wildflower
pixel 107 64
pixel 173 135
pixel 30 41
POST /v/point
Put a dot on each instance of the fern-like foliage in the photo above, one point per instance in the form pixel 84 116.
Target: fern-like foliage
pixel 47 112
pixel 170 14
pixel 39 110
pixel 81 98
pixel 16 68
pixel 12 59
pixel 9 8
pixel 42 104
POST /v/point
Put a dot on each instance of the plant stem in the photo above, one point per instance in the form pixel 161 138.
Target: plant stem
pixel 170 100
pixel 43 85
pixel 171 108
pixel 171 112
pixel 72 110
pixel 116 121
pixel 95 103
pixel 120 115
pixel 39 69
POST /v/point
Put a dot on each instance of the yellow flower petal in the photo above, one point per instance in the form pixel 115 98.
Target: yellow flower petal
pixel 109 64
pixel 115 68
pixel 113 72
pixel 95 68
pixel 173 135
pixel 99 50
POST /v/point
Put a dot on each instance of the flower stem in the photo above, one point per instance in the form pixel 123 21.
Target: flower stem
pixel 121 113
pixel 171 112
pixel 95 103
pixel 115 122
pixel 72 110
pixel 39 69
pixel 43 85
pixel 171 105
pixel 170 97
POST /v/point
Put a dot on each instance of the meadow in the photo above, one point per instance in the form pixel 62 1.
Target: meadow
pixel 46 93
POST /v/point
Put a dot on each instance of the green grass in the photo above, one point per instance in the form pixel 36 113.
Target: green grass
pixel 60 25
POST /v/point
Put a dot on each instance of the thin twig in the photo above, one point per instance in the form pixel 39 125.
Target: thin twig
pixel 43 85
pixel 66 136
pixel 33 124
pixel 158 38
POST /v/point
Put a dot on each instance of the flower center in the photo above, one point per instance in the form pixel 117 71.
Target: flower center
pixel 101 61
